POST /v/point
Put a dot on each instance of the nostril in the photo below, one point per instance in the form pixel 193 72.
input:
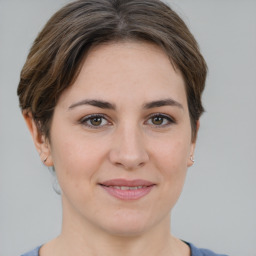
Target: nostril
pixel 142 164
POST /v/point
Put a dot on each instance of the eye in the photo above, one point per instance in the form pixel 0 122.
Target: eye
pixel 160 120
pixel 94 121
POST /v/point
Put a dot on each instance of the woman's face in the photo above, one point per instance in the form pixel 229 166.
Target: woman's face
pixel 121 140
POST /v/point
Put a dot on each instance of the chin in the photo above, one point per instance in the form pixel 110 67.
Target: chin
pixel 128 224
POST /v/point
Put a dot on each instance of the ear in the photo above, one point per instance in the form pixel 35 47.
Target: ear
pixel 192 147
pixel 41 142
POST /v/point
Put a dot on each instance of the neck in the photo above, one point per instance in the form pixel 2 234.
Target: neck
pixel 114 245
pixel 92 241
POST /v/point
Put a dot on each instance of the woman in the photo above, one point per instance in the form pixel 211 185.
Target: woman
pixel 111 93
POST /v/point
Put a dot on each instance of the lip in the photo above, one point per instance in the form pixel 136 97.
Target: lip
pixel 127 189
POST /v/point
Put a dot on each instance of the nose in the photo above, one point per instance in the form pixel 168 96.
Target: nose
pixel 128 149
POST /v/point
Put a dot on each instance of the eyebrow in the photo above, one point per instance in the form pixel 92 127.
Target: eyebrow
pixel 161 103
pixel 96 103
pixel 106 105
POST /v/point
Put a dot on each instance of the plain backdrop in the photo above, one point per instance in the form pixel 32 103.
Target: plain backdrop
pixel 217 208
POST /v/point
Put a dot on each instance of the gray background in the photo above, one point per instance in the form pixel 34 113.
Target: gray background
pixel 217 208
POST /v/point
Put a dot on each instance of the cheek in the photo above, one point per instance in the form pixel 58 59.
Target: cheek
pixel 172 155
pixel 75 161
pixel 77 166
pixel 171 158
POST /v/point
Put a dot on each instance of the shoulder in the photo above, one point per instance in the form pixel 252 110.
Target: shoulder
pixel 34 252
pixel 202 252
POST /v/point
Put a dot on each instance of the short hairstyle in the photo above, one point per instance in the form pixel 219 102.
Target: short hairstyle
pixel 56 56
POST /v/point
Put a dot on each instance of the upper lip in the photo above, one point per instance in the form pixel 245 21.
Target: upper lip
pixel 127 183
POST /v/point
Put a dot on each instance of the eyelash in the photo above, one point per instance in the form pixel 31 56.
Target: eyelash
pixel 89 118
pixel 165 118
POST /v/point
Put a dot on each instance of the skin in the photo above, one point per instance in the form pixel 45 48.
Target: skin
pixel 134 140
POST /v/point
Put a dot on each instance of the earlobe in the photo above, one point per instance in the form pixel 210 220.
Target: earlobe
pixel 41 142
pixel 191 159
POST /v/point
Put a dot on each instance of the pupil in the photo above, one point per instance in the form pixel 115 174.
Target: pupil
pixel 96 121
pixel 157 120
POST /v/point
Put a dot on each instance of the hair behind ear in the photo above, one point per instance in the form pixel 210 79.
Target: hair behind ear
pixel 40 141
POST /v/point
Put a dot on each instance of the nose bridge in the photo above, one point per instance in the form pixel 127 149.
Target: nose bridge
pixel 129 149
pixel 130 139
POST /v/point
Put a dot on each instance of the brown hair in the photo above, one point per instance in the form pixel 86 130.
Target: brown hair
pixel 55 58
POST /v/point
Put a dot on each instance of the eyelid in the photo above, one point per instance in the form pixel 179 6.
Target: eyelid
pixel 169 118
pixel 86 118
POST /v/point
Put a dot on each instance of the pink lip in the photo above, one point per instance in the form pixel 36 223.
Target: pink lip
pixel 111 186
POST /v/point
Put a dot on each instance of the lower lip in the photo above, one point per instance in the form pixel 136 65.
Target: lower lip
pixel 128 194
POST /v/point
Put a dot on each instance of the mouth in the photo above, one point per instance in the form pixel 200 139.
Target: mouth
pixel 127 189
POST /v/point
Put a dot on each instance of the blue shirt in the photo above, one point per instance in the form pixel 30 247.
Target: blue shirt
pixel 194 252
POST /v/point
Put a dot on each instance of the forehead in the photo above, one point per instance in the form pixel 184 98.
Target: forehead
pixel 128 70
pixel 127 54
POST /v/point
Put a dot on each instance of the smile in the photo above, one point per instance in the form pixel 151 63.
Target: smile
pixel 127 190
